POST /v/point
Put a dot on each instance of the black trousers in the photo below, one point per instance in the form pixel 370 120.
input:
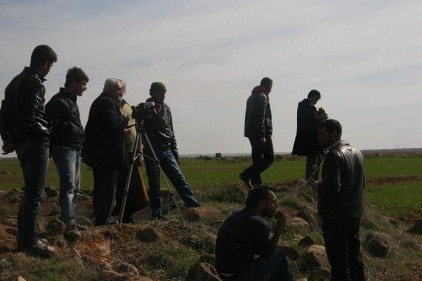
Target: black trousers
pixel 262 158
pixel 341 237
pixel 105 183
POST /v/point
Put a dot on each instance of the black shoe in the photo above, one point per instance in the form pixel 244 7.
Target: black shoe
pixel 246 180
pixel 39 249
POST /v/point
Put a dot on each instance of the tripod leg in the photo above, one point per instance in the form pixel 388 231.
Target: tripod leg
pixel 128 176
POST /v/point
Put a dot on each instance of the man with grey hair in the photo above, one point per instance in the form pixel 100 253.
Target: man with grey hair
pixel 104 147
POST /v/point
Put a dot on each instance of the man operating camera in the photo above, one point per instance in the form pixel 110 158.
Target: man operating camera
pixel 158 125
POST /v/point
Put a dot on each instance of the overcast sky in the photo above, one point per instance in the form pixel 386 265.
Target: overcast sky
pixel 365 57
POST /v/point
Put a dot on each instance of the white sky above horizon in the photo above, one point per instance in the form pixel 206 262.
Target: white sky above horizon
pixel 365 57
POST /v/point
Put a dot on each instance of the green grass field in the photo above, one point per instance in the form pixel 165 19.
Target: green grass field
pixel 394 182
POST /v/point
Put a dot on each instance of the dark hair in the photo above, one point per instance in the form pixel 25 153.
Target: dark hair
pixel 256 194
pixel 332 125
pixel 42 54
pixel 266 81
pixel 314 94
pixel 75 74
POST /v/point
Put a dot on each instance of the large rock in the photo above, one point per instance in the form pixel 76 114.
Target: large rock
pixel 378 244
pixel 148 235
pixel 311 216
pixel 417 227
pixel 202 272
pixel 196 214
pixel 305 242
pixel 315 261
pixel 56 226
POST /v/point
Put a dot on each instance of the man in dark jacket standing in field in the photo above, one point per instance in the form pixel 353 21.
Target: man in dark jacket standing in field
pixel 24 127
pixel 306 143
pixel 67 137
pixel 259 129
pixel 158 125
pixel 105 147
pixel 340 202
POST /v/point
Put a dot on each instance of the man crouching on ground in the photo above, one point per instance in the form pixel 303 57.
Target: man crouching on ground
pixel 244 250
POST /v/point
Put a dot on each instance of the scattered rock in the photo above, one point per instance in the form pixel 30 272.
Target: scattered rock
pixel 196 214
pixel 148 235
pixel 20 278
pixel 13 196
pixel 378 244
pixel 311 216
pixel 203 272
pixel 315 260
pixel 305 242
pixel 417 227
pixel 56 226
pixel 5 172
pixel 51 191
pixel 12 230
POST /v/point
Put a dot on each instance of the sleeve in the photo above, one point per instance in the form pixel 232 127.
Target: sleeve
pixel 331 175
pixel 111 117
pixel 33 96
pixel 261 112
pixel 54 110
pixel 263 246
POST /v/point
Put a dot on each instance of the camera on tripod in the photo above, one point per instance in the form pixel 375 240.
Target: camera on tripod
pixel 138 111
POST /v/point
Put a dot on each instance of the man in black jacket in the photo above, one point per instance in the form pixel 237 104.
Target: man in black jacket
pixel 67 136
pixel 105 148
pixel 158 125
pixel 340 200
pixel 25 128
pixel 306 143
pixel 259 129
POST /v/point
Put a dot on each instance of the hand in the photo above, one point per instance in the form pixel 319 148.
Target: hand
pixel 8 147
pixel 281 219
pixel 263 140
pixel 321 111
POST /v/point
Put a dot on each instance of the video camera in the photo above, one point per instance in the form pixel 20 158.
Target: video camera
pixel 138 111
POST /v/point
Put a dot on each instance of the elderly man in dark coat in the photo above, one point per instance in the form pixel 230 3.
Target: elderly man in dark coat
pixel 105 147
pixel 306 144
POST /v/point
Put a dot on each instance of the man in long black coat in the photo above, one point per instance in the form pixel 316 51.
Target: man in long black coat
pixel 306 144
pixel 105 147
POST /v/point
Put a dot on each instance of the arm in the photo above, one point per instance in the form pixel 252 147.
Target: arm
pixel 281 222
pixel 330 185
pixel 261 112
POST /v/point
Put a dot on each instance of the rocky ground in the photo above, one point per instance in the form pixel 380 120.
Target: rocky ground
pixel 182 247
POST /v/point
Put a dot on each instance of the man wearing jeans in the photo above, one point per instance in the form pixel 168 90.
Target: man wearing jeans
pixel 67 136
pixel 259 129
pixel 158 125
pixel 244 249
pixel 24 127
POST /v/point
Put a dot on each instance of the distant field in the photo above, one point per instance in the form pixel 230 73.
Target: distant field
pixel 394 182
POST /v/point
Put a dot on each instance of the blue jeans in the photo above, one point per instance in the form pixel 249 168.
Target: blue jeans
pixel 262 158
pixel 68 162
pixel 33 158
pixel 275 268
pixel 170 167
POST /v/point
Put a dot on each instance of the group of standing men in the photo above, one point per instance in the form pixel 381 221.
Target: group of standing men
pixel 36 131
pixel 244 249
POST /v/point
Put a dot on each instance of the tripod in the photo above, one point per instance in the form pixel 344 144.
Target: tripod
pixel 135 156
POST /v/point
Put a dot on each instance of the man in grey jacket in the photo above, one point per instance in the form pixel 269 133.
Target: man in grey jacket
pixel 340 200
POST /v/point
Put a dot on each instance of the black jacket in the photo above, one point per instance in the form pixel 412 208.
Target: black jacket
pixel 306 141
pixel 22 113
pixel 340 192
pixel 258 119
pixel 159 128
pixel 104 144
pixel 63 112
